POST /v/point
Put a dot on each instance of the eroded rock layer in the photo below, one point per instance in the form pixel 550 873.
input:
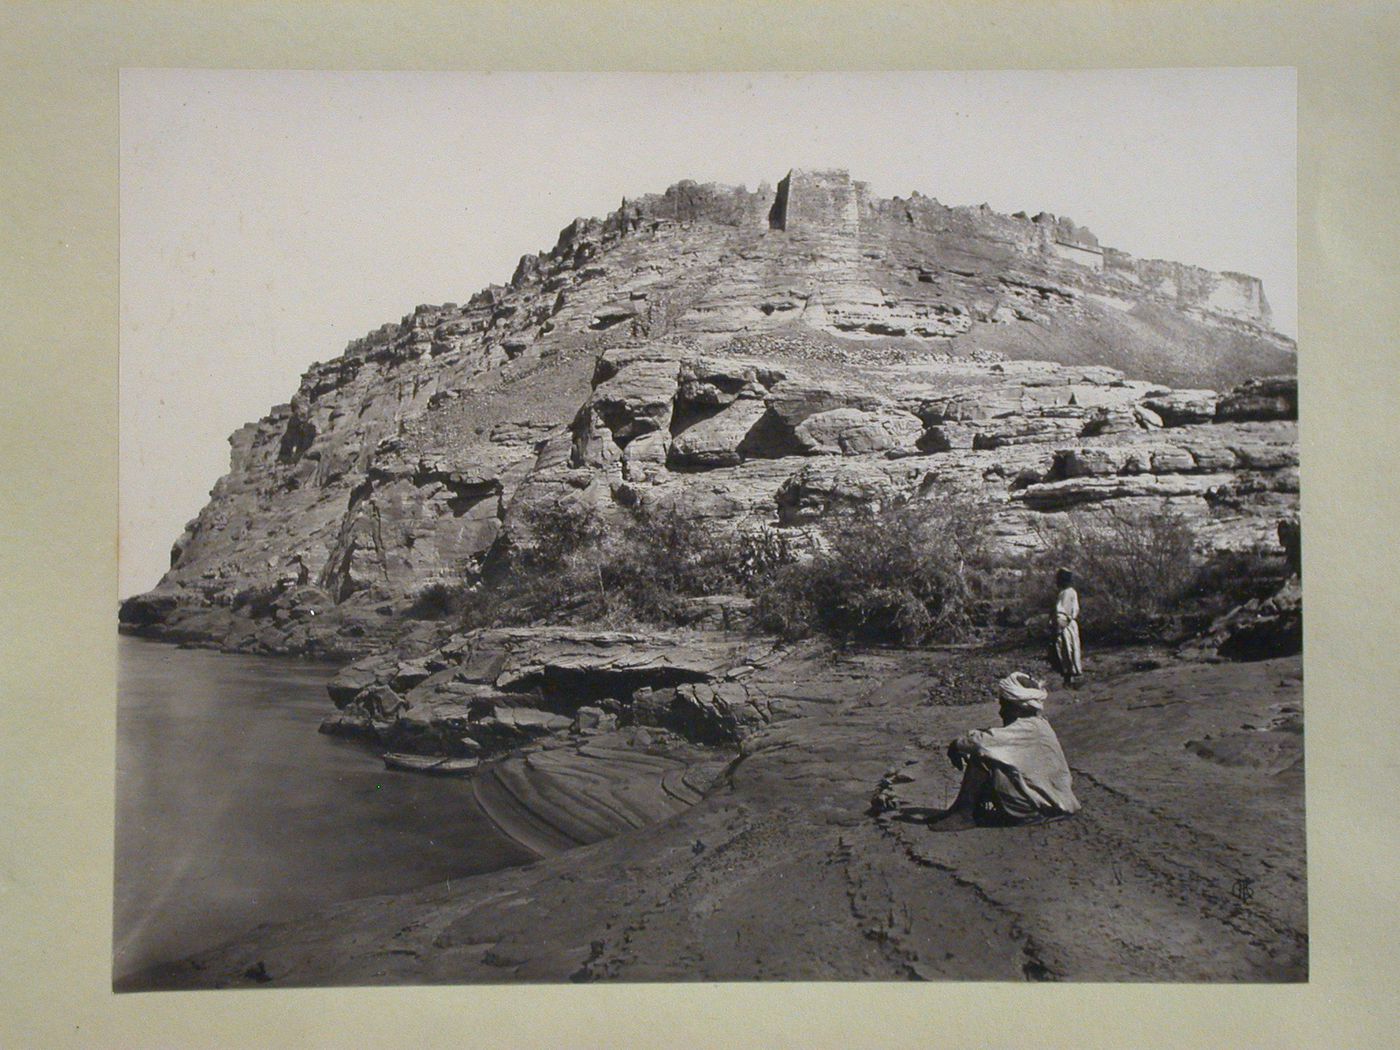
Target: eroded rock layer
pixel 763 357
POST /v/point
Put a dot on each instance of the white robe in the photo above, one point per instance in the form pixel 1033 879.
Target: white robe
pixel 1067 632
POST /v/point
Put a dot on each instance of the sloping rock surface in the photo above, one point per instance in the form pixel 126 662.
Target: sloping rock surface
pixel 1185 864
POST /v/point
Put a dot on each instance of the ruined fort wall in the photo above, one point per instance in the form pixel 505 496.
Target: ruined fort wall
pixel 817 202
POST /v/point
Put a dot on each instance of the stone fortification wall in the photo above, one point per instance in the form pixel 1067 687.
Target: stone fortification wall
pixel 1062 239
pixel 817 201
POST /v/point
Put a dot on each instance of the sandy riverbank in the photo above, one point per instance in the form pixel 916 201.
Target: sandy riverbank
pixel 1187 862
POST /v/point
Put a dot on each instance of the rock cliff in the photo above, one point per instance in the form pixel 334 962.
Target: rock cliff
pixel 760 357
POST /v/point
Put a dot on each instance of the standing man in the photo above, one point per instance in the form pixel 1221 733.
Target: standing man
pixel 1067 628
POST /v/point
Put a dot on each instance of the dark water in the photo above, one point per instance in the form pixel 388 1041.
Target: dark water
pixel 233 811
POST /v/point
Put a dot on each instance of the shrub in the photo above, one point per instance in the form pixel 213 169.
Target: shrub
pixel 560 531
pixel 762 552
pixel 903 574
pixel 907 574
pixel 543 580
pixel 1133 571
pixel 583 569
pixel 661 557
pixel 787 601
pixel 439 600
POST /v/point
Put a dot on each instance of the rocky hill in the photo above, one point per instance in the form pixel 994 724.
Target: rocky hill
pixel 761 357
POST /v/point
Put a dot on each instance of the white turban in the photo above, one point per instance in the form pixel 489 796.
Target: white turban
pixel 1021 689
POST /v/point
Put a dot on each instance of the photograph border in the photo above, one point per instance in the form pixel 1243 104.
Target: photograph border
pixel 59 71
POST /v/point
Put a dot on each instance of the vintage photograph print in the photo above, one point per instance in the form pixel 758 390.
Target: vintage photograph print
pixel 727 527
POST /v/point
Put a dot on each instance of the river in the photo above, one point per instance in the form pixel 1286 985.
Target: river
pixel 233 811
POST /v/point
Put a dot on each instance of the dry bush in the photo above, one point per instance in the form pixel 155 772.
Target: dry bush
pixel 903 574
pixel 661 557
pixel 543 581
pixel 439 600
pixel 764 551
pixel 582 568
pixel 1134 572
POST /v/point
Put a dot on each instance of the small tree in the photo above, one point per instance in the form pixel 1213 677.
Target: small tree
pixel 550 578
pixel 763 551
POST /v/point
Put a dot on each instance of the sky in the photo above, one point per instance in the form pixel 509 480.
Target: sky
pixel 269 217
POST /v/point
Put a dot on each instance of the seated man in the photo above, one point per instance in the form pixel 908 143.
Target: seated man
pixel 1014 773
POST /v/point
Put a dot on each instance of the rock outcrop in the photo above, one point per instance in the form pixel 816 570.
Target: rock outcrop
pixel 488 692
pixel 1266 627
pixel 764 357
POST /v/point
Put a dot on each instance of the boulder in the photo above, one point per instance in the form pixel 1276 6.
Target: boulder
pixel 1262 629
pixel 650 707
pixel 1181 408
pixel 592 720
pixel 1147 418
pixel 853 431
pixel 718 713
pixel 614 313
pixel 644 459
pixel 380 703
pixel 1103 422
pixel 637 399
pixel 144 610
pixel 794 400
pixel 353 679
pixel 716 441
pixel 825 486
pixel 718 381
pixel 1270 397
pixel 649 448
pixel 409 674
